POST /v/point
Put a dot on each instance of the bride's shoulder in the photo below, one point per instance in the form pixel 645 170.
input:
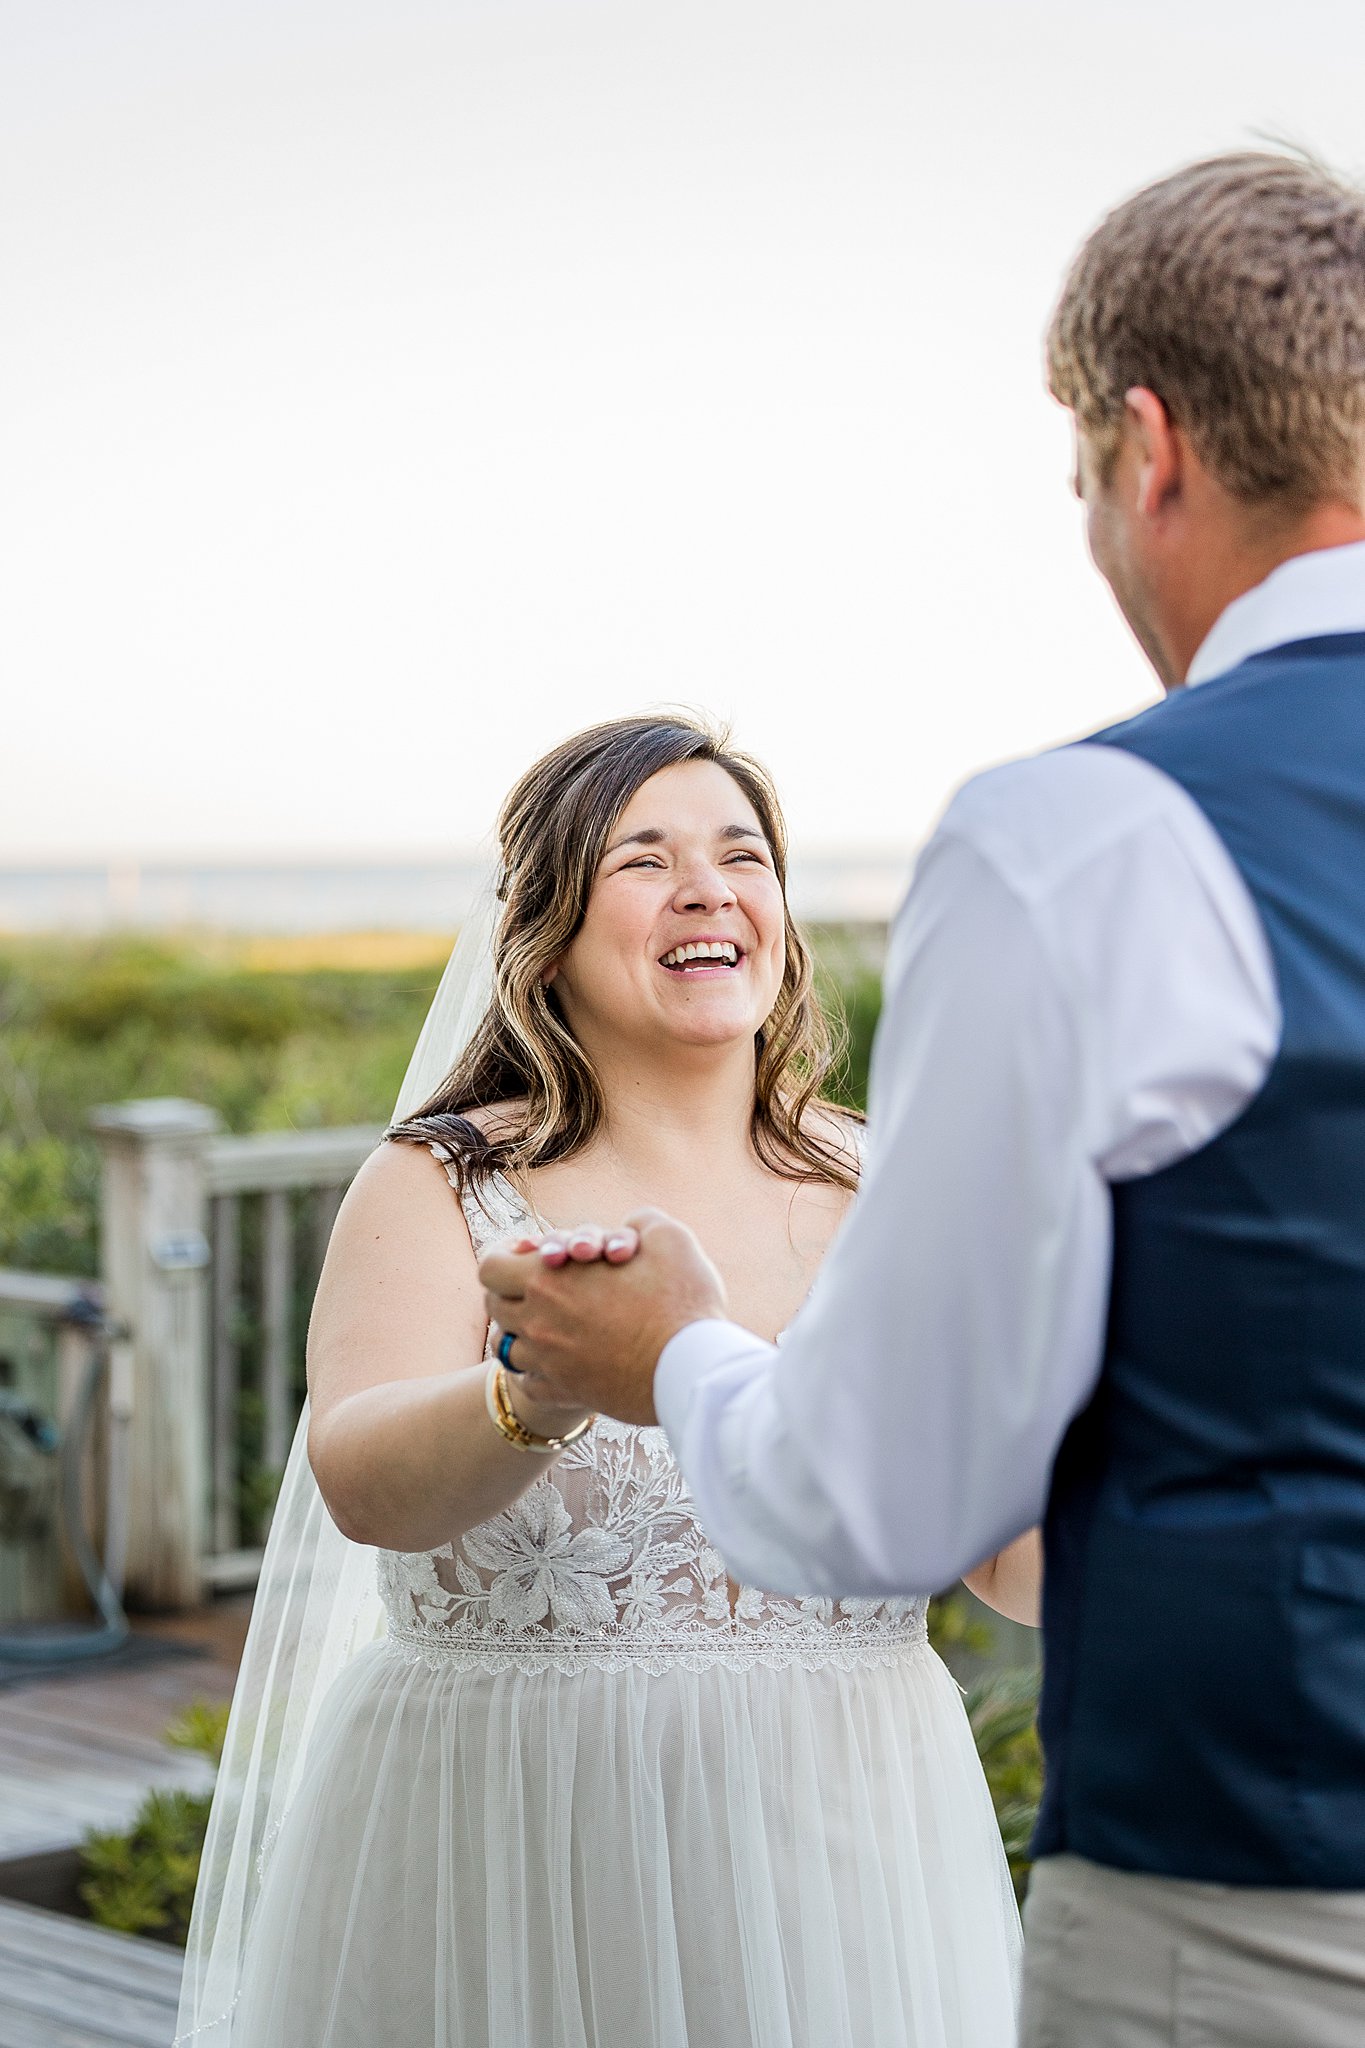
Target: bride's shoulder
pixel 401 1197
pixel 407 1181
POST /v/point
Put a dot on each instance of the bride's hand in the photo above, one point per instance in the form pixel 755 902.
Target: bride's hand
pixel 583 1246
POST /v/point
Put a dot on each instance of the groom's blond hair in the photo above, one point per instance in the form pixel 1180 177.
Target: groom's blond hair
pixel 1235 290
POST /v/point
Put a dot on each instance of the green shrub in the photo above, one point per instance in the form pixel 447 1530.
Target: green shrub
pixel 202 1726
pixel 959 1623
pixel 91 1021
pixel 142 1881
pixel 851 993
pixel 1003 1712
pixel 171 994
pixel 48 1196
pixel 104 1020
pixel 1002 1706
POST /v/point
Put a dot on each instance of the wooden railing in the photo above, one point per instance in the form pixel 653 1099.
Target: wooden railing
pixel 211 1247
pixel 274 1195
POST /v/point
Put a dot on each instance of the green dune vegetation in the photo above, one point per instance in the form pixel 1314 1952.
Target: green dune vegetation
pixel 274 1035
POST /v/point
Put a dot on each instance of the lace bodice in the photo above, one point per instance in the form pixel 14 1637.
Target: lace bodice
pixel 602 1561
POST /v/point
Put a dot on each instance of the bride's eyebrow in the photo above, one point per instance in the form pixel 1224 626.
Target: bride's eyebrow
pixel 654 835
pixel 648 835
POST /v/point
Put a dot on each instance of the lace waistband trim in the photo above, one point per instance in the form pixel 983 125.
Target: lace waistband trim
pixel 704 1650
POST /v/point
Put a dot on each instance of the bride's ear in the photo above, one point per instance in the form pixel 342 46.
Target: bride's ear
pixel 547 974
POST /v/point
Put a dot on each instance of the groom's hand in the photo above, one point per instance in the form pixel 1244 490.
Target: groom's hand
pixel 588 1332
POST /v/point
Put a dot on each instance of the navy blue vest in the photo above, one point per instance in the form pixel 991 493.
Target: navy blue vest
pixel 1204 1614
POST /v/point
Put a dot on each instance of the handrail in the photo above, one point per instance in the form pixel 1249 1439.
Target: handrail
pixel 48 1296
pixel 266 1160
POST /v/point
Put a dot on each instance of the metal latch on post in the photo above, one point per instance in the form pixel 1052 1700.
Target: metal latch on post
pixel 180 1251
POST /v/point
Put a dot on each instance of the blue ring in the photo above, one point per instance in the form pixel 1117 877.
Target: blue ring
pixel 504 1352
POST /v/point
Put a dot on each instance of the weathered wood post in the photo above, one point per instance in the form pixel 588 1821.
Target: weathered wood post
pixel 155 1262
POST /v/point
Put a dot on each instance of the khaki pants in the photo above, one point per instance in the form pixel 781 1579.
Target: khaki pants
pixel 1114 1960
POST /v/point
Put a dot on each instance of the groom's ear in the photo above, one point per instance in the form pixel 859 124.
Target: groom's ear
pixel 1158 449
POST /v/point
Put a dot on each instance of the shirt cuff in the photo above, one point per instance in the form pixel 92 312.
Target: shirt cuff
pixel 689 1357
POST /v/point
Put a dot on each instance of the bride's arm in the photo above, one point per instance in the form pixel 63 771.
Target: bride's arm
pixel 400 1438
pixel 1012 1581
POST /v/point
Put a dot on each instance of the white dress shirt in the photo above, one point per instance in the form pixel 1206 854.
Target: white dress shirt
pixel 1078 991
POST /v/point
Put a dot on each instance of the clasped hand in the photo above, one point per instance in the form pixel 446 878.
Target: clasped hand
pixel 590 1310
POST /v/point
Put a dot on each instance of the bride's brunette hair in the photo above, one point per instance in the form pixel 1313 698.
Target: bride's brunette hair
pixel 522 1058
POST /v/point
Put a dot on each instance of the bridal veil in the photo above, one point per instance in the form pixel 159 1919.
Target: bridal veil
pixel 317 1604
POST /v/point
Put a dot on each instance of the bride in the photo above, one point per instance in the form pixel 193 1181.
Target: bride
pixel 576 1789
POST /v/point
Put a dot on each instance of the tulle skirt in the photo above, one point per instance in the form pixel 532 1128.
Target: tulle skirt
pixel 715 1858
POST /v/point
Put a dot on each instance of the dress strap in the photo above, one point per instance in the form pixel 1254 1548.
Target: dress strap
pixel 492 1210
pixel 492 1206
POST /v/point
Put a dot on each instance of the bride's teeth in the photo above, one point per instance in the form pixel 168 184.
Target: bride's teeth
pixel 704 949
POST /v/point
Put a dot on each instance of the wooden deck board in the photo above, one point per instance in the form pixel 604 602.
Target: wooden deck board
pixel 46 1742
pixel 49 1797
pixel 65 1984
pixel 80 1946
pixel 83 1751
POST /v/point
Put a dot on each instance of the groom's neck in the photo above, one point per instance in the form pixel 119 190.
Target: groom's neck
pixel 1232 559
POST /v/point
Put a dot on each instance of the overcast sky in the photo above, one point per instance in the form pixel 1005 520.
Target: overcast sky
pixel 390 389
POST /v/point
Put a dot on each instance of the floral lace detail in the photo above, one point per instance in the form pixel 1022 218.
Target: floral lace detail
pixel 603 1562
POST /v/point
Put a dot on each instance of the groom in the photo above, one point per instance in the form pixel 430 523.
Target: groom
pixel 1107 1267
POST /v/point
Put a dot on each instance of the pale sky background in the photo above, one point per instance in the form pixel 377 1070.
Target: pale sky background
pixel 389 389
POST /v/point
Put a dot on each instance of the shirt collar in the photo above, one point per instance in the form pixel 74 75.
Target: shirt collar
pixel 1304 598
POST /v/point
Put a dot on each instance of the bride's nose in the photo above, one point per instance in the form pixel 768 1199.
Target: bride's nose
pixel 704 886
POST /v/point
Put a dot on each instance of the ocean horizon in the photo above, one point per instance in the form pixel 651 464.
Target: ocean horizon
pixel 300 895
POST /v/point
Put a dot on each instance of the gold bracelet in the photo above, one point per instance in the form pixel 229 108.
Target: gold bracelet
pixel 509 1424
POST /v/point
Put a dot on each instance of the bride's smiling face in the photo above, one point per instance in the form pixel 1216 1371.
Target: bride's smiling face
pixel 686 866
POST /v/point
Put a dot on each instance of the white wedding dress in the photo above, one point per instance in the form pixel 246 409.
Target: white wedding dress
pixel 575 1799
